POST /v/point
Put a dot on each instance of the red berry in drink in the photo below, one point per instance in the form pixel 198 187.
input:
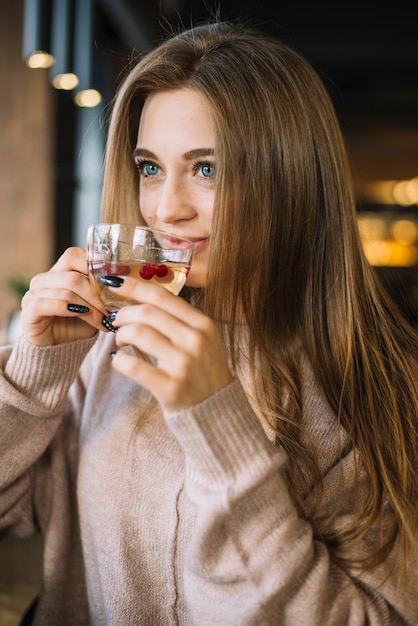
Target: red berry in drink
pixel 161 271
pixel 113 269
pixel 147 271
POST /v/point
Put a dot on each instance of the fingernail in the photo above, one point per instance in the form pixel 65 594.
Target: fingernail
pixel 108 325
pixel 112 354
pixel 78 308
pixel 112 316
pixel 112 281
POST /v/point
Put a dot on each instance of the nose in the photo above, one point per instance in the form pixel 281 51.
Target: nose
pixel 175 202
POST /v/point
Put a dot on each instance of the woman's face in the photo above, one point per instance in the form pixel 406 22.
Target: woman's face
pixel 175 158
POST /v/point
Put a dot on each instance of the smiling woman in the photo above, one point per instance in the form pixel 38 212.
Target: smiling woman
pixel 260 465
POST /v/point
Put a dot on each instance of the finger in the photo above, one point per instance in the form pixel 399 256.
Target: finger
pixel 49 303
pixel 144 373
pixel 161 298
pixel 172 392
pixel 72 285
pixel 146 325
pixel 74 258
pixel 148 341
pixel 183 370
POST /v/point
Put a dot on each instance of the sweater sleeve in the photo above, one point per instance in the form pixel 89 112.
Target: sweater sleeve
pixel 34 384
pixel 252 559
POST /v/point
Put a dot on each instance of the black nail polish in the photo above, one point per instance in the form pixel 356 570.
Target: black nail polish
pixel 112 316
pixel 108 325
pixel 78 308
pixel 112 281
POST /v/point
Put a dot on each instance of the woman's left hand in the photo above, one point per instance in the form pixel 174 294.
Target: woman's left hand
pixel 190 364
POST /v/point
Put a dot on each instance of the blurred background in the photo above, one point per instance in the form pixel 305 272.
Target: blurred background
pixel 53 129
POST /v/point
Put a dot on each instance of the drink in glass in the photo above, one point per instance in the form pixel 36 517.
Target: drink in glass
pixel 141 252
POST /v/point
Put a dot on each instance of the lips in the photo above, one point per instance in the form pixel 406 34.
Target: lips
pixel 199 244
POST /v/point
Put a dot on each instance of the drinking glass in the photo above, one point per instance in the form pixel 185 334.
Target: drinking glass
pixel 139 251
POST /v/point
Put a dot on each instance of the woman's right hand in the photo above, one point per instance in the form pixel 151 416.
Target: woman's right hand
pixel 46 317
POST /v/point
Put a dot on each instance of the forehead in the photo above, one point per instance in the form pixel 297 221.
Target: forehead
pixel 174 113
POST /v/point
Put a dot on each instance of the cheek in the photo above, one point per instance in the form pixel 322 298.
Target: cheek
pixel 145 208
pixel 206 205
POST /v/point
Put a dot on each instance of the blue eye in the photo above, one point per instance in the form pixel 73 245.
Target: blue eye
pixel 206 169
pixel 147 168
pixel 150 169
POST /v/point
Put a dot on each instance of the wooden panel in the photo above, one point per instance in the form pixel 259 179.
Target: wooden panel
pixel 26 173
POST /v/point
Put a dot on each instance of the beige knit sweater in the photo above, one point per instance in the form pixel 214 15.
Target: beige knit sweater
pixel 187 520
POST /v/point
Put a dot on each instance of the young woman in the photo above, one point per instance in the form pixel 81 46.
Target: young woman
pixel 261 466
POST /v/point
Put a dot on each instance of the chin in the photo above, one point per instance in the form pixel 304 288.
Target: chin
pixel 196 279
pixel 196 284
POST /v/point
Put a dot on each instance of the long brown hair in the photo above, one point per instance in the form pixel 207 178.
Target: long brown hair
pixel 285 253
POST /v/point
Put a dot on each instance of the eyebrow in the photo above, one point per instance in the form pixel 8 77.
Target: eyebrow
pixel 188 156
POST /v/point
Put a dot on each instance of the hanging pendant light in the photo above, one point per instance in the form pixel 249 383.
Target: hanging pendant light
pixel 37 34
pixel 62 45
pixel 87 93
